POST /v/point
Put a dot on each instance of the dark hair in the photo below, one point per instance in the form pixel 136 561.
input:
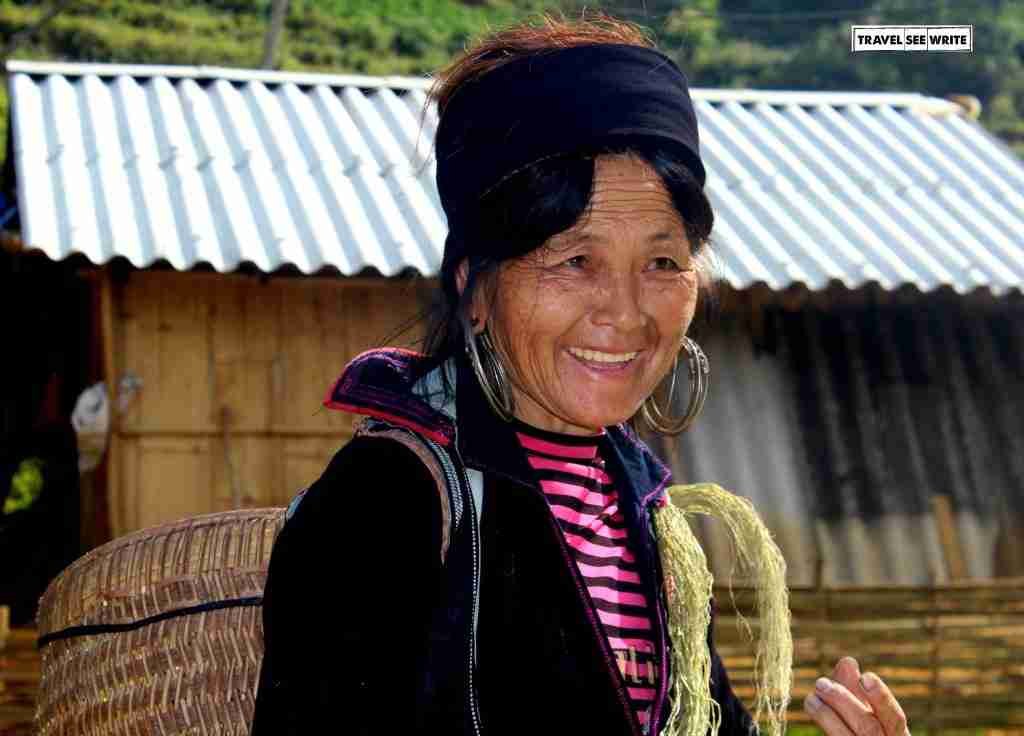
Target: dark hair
pixel 529 207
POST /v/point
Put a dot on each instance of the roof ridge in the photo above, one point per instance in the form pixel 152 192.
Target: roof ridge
pixel 832 98
pixel 81 69
pixel 713 95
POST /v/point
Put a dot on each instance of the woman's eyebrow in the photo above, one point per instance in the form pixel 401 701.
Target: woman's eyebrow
pixel 586 235
pixel 573 239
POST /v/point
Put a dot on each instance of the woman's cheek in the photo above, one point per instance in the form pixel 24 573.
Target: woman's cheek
pixel 672 300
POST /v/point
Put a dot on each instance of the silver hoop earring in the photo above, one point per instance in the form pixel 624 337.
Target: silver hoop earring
pixel 700 375
pixel 490 373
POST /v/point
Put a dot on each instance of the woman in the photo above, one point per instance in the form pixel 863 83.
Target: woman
pixel 480 558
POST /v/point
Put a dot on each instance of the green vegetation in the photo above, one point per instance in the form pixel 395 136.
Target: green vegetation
pixel 26 485
pixel 370 37
pixel 792 44
pixel 805 44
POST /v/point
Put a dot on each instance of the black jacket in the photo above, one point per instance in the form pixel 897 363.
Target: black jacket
pixel 361 619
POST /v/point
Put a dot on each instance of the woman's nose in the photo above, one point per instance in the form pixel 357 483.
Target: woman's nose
pixel 620 305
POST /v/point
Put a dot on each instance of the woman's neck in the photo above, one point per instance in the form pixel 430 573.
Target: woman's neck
pixel 563 429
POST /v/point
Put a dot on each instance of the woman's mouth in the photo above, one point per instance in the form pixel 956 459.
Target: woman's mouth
pixel 602 361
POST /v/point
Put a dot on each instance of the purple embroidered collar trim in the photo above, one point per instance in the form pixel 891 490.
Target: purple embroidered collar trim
pixel 378 383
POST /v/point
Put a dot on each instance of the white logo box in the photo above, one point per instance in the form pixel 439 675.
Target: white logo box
pixel 912 38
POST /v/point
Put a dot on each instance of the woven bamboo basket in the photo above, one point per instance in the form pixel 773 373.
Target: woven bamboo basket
pixel 158 632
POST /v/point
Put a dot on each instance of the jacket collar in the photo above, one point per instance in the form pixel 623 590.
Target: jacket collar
pixel 389 383
pixel 381 383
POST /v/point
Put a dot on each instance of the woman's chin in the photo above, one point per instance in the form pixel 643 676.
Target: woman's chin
pixel 606 417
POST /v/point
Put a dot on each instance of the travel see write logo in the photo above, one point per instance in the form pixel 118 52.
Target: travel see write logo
pixel 912 38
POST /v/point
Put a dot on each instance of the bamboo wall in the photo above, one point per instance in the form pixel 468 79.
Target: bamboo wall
pixel 952 654
pixel 234 369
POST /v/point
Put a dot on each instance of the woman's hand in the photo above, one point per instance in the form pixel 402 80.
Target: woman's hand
pixel 851 704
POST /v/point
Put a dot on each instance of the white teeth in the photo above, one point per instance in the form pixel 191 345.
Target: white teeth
pixel 597 357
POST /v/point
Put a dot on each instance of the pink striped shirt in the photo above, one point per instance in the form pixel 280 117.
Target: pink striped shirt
pixel 583 499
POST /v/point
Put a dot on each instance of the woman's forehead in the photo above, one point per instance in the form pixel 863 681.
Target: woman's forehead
pixel 624 166
pixel 627 189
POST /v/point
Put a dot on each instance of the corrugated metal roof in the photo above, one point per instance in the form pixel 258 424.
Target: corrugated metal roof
pixel 224 166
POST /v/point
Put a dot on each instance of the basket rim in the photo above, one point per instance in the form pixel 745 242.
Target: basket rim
pixel 217 518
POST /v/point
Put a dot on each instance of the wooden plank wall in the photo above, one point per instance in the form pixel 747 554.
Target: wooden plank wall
pixel 234 369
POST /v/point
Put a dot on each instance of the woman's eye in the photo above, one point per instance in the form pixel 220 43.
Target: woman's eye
pixel 665 263
pixel 576 261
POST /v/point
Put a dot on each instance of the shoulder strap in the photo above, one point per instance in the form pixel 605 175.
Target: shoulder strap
pixel 476 484
pixel 429 454
pixel 439 464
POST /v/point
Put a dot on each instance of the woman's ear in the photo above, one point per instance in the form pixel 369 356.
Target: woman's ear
pixel 462 275
pixel 479 308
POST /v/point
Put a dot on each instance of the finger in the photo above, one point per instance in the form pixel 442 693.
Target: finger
pixel 847 673
pixel 856 714
pixel 826 718
pixel 883 702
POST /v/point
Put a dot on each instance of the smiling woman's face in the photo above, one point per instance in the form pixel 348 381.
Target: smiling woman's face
pixel 589 324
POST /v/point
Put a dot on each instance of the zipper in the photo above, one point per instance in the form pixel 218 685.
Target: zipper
pixel 474 705
pixel 462 483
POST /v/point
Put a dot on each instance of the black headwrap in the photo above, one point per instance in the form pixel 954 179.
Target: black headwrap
pixel 557 102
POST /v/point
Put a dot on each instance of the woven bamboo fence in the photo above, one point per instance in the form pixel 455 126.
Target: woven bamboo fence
pixel 954 655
